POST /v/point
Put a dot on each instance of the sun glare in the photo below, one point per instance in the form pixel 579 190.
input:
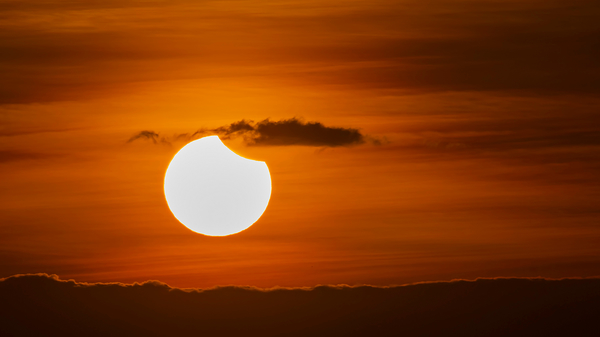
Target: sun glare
pixel 213 191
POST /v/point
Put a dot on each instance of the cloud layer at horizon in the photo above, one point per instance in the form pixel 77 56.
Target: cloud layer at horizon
pixel 490 307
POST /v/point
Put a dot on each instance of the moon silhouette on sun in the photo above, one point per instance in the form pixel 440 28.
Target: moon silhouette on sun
pixel 213 191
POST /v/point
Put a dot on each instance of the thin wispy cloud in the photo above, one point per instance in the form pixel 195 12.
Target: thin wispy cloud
pixel 510 46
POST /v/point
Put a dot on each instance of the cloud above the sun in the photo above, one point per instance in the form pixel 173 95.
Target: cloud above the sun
pixel 267 132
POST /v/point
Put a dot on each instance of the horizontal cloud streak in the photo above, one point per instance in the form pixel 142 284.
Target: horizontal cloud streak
pixel 291 131
pixel 484 307
pixel 76 50
pixel 9 156
pixel 285 132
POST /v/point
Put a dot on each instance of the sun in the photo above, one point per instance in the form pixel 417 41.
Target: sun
pixel 213 191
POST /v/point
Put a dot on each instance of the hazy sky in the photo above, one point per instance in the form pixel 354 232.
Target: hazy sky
pixel 478 152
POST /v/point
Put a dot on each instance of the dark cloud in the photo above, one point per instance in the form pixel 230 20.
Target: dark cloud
pixel 293 131
pixel 150 135
pixel 40 304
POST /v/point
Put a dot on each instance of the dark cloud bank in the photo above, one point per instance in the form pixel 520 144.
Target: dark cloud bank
pixel 293 131
pixel 44 305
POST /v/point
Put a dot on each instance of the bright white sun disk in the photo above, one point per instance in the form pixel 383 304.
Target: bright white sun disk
pixel 213 191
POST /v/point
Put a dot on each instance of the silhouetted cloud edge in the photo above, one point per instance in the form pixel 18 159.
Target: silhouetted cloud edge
pixel 160 284
pixel 267 132
pixel 481 307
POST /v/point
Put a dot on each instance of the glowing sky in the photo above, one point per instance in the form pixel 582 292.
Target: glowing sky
pixel 480 121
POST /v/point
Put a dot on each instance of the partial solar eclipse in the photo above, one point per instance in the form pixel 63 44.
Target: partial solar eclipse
pixel 213 191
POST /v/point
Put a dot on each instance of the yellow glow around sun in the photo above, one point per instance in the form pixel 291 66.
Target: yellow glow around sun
pixel 213 191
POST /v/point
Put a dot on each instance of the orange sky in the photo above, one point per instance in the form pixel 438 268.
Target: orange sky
pixel 486 111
